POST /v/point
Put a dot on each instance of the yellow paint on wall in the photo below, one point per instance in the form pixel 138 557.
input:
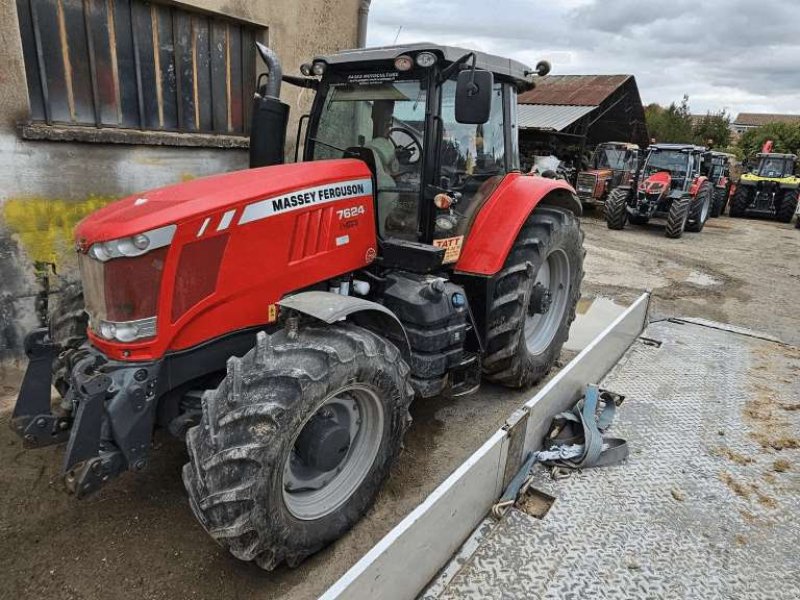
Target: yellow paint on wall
pixel 44 226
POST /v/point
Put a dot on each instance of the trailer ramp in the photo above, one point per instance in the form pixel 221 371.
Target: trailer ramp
pixel 706 506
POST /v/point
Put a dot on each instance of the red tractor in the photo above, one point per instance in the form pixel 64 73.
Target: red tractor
pixel 613 164
pixel 671 186
pixel 283 318
pixel 719 173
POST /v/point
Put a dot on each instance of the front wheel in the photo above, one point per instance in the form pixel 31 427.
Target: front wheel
pixel 741 200
pixel 718 202
pixel 295 443
pixel 534 298
pixel 787 207
pixel 677 217
pixel 616 208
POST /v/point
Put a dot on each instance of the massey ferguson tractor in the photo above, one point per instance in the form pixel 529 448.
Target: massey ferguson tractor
pixel 283 318
pixel 613 164
pixel 770 190
pixel 719 172
pixel 670 185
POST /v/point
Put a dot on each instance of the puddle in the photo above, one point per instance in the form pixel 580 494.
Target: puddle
pixel 592 315
pixel 703 279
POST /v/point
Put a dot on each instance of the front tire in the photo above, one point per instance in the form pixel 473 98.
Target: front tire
pixel 787 207
pixel 677 217
pixel 272 476
pixel 616 209
pixel 741 200
pixel 718 202
pixel 543 272
pixel 700 208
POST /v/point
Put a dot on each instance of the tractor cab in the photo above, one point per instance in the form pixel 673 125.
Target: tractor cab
pixel 775 166
pixel 612 165
pixel 435 124
pixel 673 167
pixel 719 167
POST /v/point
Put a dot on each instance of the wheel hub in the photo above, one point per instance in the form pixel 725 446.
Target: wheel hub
pixel 541 300
pixel 323 443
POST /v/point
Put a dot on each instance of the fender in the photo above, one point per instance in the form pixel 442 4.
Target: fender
pixel 499 221
pixel 695 187
pixel 330 308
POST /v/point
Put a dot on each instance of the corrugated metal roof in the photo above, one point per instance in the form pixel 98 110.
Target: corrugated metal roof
pixel 550 116
pixel 581 90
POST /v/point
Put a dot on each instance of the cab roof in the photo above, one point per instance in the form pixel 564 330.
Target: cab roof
pixel 505 67
pixel 776 155
pixel 678 147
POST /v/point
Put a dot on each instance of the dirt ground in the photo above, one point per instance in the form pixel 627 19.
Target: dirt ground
pixel 138 539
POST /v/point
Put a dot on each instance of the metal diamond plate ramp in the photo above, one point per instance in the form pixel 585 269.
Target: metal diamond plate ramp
pixel 706 506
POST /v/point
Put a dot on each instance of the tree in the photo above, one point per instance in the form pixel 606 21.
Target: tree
pixel 785 137
pixel 671 124
pixel 713 130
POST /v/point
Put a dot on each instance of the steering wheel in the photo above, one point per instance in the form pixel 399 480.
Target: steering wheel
pixel 409 153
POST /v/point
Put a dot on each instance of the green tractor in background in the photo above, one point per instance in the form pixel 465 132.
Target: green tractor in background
pixel 770 190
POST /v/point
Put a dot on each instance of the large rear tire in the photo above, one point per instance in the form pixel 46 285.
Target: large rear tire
pixel 616 208
pixel 67 321
pixel 741 200
pixel 543 272
pixel 788 206
pixel 677 217
pixel 272 475
pixel 700 208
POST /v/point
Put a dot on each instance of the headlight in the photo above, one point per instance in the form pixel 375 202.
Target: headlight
pixel 134 245
pixel 305 69
pixel 127 331
pixel 403 63
pixel 318 68
pixel 426 59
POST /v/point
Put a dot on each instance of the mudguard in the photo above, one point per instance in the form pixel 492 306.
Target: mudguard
pixel 330 308
pixel 500 219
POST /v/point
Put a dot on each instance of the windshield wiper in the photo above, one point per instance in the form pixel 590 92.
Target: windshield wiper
pixel 317 141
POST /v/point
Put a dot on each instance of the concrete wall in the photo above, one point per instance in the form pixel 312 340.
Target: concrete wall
pixel 46 187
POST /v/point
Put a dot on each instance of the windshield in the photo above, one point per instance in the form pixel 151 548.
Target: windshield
pixel 676 163
pixel 773 167
pixel 388 119
pixel 610 158
pixel 717 168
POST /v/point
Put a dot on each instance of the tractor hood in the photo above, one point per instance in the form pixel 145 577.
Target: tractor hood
pixel 175 204
pixel 657 183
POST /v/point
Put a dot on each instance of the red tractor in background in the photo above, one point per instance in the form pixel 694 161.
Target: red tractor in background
pixel 613 164
pixel 671 186
pixel 283 318
pixel 719 173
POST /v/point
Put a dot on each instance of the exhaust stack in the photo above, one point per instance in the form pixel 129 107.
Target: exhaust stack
pixel 270 115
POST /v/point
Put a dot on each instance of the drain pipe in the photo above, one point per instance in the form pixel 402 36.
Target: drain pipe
pixel 363 15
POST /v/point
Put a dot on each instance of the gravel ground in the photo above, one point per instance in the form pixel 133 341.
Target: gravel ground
pixel 138 539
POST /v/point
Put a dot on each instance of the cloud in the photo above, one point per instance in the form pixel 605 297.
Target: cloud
pixel 733 54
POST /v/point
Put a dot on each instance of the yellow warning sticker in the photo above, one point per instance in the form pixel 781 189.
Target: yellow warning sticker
pixel 452 247
pixel 273 313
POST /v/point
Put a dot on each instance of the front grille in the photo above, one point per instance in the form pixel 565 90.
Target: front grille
pixel 586 183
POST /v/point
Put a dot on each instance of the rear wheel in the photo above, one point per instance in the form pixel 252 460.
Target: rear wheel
pixel 678 214
pixel 700 208
pixel 741 200
pixel 615 208
pixel 787 207
pixel 295 443
pixel 534 299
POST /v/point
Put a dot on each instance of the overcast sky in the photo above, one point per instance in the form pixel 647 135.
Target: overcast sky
pixel 740 55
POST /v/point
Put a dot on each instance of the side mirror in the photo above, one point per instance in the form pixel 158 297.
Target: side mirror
pixel 474 96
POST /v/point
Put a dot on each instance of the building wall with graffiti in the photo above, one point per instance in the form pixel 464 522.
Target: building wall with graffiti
pixel 103 99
